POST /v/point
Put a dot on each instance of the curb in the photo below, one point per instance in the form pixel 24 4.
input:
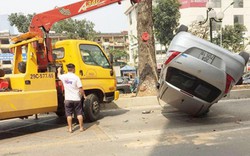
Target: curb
pixel 147 100
pixel 138 101
pixel 238 94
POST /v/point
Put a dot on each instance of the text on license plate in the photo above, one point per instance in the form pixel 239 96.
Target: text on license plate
pixel 207 57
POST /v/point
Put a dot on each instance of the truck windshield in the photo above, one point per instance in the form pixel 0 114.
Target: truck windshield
pixel 93 55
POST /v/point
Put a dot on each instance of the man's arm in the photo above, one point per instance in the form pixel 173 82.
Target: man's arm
pixel 82 92
pixel 59 69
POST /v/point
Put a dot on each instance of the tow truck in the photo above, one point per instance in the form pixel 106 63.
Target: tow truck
pixel 33 88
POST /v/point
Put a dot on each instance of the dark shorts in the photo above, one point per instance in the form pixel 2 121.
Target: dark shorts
pixel 73 106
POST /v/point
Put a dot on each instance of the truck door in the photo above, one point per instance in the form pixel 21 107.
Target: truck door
pixel 98 70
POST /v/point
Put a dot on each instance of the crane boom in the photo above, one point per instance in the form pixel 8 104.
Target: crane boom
pixel 46 19
pixel 42 23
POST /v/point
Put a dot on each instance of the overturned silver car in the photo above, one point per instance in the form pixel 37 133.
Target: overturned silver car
pixel 197 73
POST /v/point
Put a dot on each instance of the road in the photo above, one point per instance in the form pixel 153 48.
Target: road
pixel 134 126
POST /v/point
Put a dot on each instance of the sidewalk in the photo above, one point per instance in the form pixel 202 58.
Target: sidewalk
pixel 237 92
pixel 127 101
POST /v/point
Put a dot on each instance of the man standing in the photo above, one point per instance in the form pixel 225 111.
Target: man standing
pixel 73 93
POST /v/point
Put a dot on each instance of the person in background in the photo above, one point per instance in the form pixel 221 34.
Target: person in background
pixel 135 84
pixel 73 93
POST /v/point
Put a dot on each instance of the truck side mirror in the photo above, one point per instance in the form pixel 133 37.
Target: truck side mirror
pixel 54 56
pixel 111 59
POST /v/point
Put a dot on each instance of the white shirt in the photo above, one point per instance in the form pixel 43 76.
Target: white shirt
pixel 71 83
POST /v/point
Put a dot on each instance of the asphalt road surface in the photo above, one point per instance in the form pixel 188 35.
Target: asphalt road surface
pixel 134 127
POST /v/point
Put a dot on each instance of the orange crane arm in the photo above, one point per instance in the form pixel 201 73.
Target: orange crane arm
pixel 46 19
pixel 41 24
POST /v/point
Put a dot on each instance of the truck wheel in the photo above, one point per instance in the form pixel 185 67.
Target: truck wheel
pixel 245 56
pixel 91 108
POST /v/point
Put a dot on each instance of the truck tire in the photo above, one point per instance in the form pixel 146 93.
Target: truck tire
pixel 245 56
pixel 91 108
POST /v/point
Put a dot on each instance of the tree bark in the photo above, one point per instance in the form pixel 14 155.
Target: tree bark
pixel 147 60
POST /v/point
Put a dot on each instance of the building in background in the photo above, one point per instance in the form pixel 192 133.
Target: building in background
pixel 131 14
pixel 236 12
pixel 5 56
pixel 114 41
pixel 118 41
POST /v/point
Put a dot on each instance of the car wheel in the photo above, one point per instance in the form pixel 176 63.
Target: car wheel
pixel 91 108
pixel 182 28
pixel 245 55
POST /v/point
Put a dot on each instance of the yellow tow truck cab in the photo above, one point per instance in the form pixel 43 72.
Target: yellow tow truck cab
pixel 32 89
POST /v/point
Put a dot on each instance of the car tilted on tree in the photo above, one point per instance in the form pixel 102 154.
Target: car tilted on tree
pixel 198 73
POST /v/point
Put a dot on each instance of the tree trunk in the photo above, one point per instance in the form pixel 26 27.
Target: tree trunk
pixel 147 62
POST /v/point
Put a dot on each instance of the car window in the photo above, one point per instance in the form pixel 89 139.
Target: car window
pixel 119 80
pixel 192 85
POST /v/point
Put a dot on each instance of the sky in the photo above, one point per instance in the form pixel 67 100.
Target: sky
pixel 109 19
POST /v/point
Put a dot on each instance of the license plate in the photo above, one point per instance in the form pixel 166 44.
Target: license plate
pixel 207 57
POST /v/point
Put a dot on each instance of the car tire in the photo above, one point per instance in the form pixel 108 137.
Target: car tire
pixel 91 108
pixel 182 28
pixel 245 56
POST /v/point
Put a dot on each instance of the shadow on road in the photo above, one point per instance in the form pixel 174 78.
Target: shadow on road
pixel 20 127
pixel 219 114
pixel 112 109
pixel 184 131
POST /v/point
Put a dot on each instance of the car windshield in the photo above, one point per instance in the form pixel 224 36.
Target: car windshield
pixel 121 80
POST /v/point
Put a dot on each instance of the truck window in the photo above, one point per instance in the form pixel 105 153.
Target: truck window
pixel 59 53
pixel 24 50
pixel 93 55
